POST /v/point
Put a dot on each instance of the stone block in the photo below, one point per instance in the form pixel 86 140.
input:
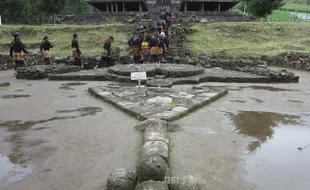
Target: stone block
pixel 181 109
pixel 156 148
pixel 152 185
pixel 121 179
pixel 156 134
pixel 152 168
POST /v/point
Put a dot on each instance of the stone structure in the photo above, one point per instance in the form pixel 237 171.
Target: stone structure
pixel 207 5
pixel 41 72
pixel 3 84
pixel 294 60
pixel 164 103
pixel 30 60
pixel 243 72
pixel 119 5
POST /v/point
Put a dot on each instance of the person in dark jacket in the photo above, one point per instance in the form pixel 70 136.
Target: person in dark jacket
pixel 76 52
pixel 106 55
pixel 17 51
pixel 135 42
pixel 45 48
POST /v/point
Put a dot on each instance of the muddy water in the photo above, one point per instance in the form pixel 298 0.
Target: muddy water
pixel 59 137
pixel 257 137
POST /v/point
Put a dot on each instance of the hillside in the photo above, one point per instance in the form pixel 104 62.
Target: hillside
pixel 240 40
pixel 91 37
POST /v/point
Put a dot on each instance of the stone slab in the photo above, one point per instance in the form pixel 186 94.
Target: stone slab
pixel 168 104
pixel 209 75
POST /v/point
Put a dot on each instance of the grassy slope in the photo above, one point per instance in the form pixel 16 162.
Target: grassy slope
pixel 240 40
pixel 296 5
pixel 91 37
pixel 283 16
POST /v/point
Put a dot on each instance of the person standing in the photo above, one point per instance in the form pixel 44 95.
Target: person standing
pixel 154 49
pixel 76 52
pixel 135 43
pixel 45 48
pixel 106 55
pixel 17 51
pixel 145 50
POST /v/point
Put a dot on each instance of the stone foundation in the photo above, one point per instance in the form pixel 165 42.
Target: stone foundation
pixel 294 60
pixel 7 63
pixel 42 71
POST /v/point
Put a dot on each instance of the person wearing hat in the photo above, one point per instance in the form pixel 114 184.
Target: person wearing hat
pixel 76 52
pixel 106 55
pixel 45 48
pixel 17 51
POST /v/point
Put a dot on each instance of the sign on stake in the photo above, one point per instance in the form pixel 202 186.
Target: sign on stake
pixel 138 76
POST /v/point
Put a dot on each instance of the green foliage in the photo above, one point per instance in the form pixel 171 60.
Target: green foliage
pixel 39 11
pixel 52 7
pixel 91 37
pixel 242 40
pixel 262 8
pixel 112 20
pixel 174 103
pixel 283 16
pixel 296 7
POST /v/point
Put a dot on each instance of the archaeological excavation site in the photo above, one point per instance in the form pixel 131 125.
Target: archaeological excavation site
pixel 203 112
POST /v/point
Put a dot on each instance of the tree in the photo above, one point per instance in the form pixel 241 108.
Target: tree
pixel 52 7
pixel 262 8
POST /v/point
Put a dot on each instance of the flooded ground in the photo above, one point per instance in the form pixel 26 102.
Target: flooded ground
pixel 60 139
pixel 256 137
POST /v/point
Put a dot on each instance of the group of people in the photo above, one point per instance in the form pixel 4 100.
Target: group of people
pixel 17 51
pixel 147 45
pixel 150 44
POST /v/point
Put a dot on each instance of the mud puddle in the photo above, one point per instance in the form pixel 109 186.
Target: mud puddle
pixel 12 173
pixel 267 88
pixel 18 125
pixel 282 148
pixel 65 88
pixel 74 84
pixel 238 101
pixel 15 96
pixel 296 101
pixel 257 99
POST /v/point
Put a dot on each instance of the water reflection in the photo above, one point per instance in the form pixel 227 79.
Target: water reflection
pixel 261 125
pixel 14 96
pixel 10 172
pixel 18 125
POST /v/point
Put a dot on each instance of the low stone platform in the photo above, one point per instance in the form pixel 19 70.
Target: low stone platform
pixel 209 75
pixel 169 70
pixel 42 71
pixel 163 103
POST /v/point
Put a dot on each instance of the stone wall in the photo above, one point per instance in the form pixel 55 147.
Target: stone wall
pixel 98 18
pixel 42 71
pixel 254 66
pixel 294 60
pixel 7 63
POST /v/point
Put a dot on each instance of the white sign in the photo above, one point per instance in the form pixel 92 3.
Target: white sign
pixel 138 76
pixel 0 21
